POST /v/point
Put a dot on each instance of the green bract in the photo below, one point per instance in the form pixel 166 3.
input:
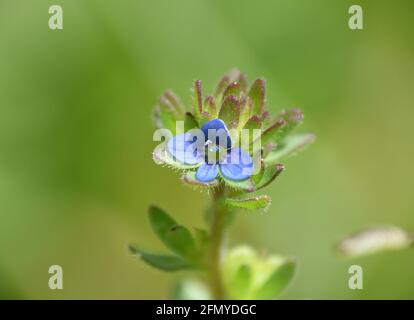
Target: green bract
pixel 187 250
pixel 250 276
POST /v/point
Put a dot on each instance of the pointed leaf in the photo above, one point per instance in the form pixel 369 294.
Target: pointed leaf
pixel 175 101
pixel 180 240
pixel 224 83
pixel 176 237
pixel 241 281
pixel 288 146
pixel 190 122
pixel 233 89
pixel 259 175
pixel 160 221
pixel 202 238
pixel 270 173
pixel 259 202
pixel 257 122
pixel 267 148
pixel 244 83
pixel 272 130
pixel 253 123
pixel 277 282
pixel 165 118
pixel 282 126
pixel 246 111
pixel 238 272
pixel 292 118
pixel 210 105
pixel 258 94
pixel 160 261
pixel 256 276
pixel 230 111
pixel 221 87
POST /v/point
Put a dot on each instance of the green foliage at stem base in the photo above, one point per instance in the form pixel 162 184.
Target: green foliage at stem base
pixel 251 276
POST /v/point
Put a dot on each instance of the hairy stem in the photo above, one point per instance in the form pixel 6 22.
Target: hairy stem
pixel 217 243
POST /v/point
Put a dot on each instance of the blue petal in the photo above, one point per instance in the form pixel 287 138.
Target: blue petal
pixel 186 148
pixel 218 132
pixel 237 166
pixel 207 172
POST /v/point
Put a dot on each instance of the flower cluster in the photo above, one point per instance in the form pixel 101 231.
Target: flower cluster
pixel 228 136
pixel 228 143
pixel 211 149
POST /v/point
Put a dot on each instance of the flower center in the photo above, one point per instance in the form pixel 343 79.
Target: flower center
pixel 214 153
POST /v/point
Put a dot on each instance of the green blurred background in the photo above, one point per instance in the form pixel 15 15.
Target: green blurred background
pixel 76 174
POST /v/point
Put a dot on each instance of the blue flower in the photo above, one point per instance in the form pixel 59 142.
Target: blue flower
pixel 210 151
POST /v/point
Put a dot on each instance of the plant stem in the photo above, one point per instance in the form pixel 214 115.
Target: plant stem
pixel 217 242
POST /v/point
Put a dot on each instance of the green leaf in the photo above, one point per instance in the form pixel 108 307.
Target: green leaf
pixel 271 131
pixel 246 111
pixel 224 82
pixel 277 282
pixel 258 94
pixel 210 105
pixel 175 101
pixel 259 202
pixel 248 275
pixel 255 122
pixel 162 262
pixel 230 111
pixel 244 83
pixel 176 237
pixel 237 258
pixel 180 240
pixel 161 222
pixel 269 174
pixel 165 118
pixel 282 125
pixel 202 238
pixel 259 175
pixel 241 280
pixel 292 118
pixel 233 89
pixel 375 240
pixel 190 122
pixel 288 146
pixel 221 86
